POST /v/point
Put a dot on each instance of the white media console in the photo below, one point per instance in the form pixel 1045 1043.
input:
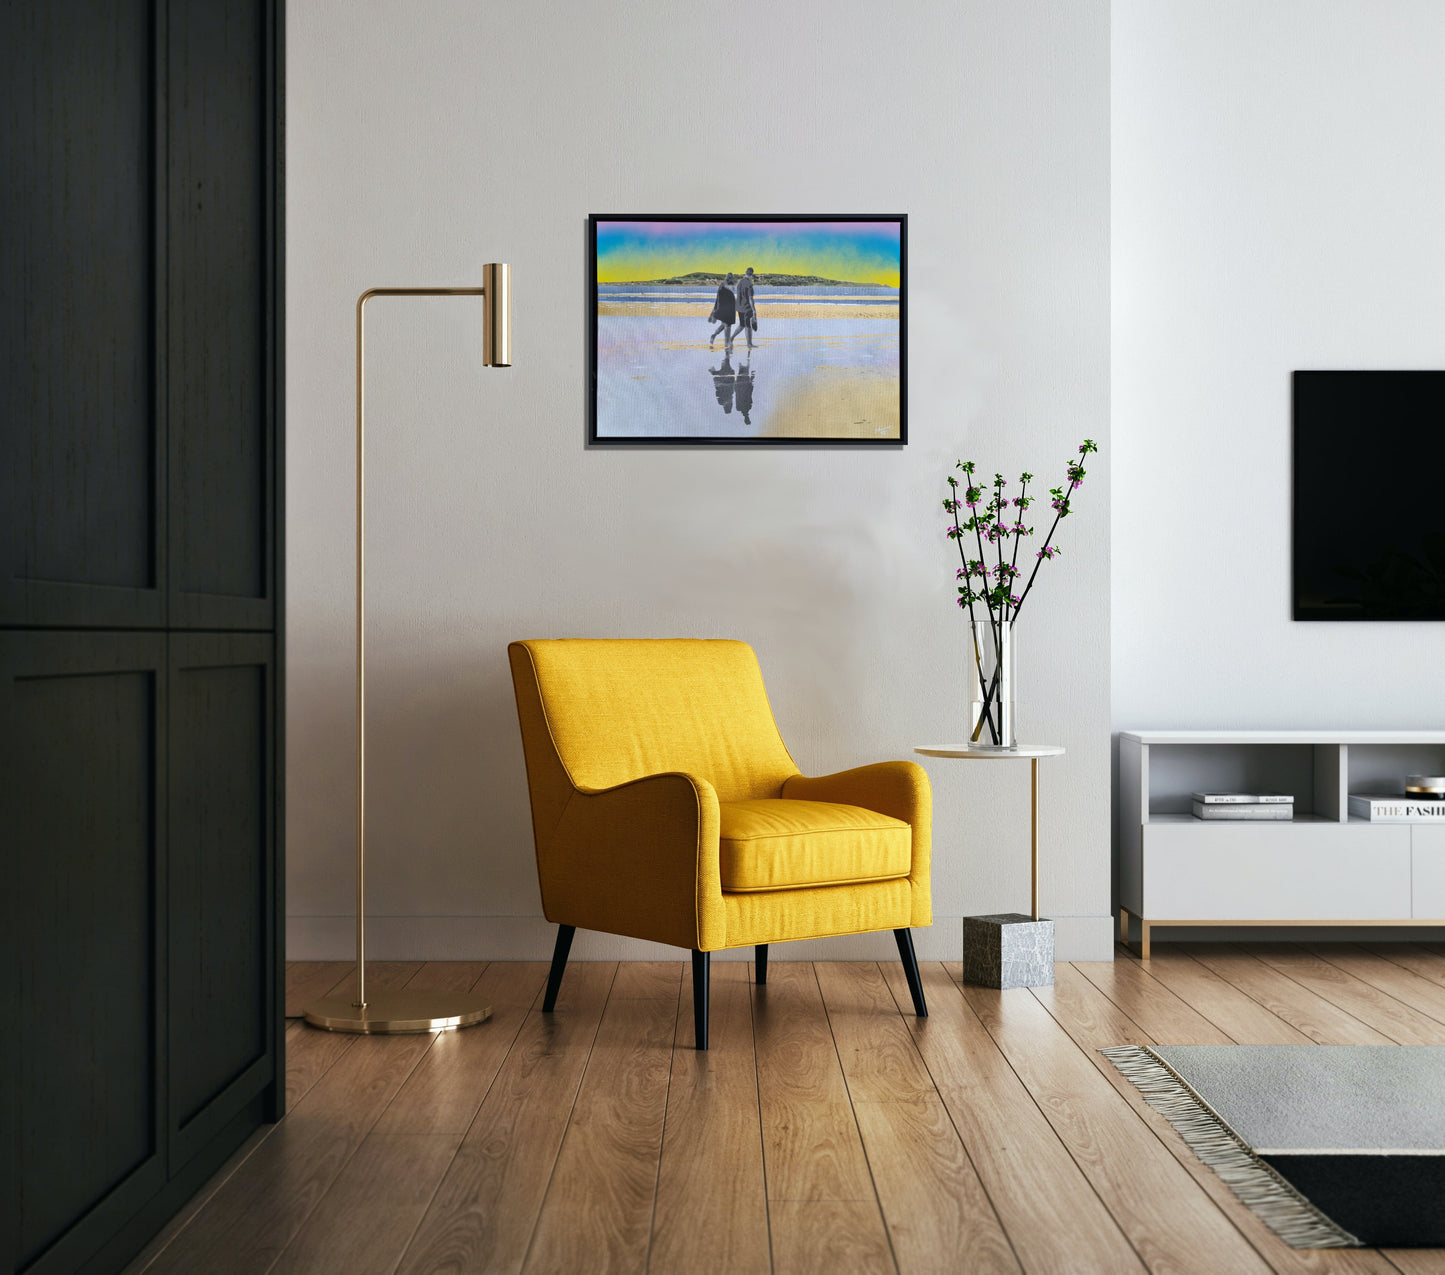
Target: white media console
pixel 1321 868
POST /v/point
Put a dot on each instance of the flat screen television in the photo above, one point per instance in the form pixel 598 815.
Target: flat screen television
pixel 1369 496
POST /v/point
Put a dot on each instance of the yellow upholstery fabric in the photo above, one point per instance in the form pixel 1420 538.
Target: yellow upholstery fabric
pixel 634 747
pixel 782 845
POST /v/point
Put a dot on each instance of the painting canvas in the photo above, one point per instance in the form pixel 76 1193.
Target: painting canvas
pixel 749 329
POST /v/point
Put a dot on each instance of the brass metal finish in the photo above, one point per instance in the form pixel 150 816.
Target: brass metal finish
pixel 497 318
pixel 392 1012
pixel 1034 837
pixel 1145 926
pixel 424 1009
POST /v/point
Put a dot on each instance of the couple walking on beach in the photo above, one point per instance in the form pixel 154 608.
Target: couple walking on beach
pixel 734 306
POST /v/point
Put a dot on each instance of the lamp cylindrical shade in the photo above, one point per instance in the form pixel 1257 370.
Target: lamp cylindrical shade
pixel 497 321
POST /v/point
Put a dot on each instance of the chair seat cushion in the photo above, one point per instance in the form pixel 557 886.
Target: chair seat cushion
pixel 775 844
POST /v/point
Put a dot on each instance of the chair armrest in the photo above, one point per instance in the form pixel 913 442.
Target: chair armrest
pixel 898 789
pixel 640 859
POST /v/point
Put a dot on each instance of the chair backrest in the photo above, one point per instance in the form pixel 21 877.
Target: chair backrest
pixel 614 710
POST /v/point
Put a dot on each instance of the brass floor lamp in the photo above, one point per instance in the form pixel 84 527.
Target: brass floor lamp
pixel 401 1010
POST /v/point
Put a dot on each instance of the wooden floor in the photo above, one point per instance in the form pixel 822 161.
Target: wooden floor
pixel 826 1130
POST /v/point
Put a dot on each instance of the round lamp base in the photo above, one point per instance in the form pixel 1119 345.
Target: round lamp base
pixel 393 1012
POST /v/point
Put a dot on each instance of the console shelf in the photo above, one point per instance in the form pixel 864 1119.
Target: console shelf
pixel 1323 868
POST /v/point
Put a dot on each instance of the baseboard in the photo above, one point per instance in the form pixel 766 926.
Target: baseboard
pixel 530 938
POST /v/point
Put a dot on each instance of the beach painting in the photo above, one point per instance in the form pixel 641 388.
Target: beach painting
pixel 734 329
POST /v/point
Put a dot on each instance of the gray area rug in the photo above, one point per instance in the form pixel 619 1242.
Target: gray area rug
pixel 1331 1145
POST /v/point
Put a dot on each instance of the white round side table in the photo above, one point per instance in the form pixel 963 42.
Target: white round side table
pixel 1008 950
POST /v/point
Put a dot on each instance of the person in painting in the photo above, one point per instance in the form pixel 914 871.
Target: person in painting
pixel 724 311
pixel 743 389
pixel 724 383
pixel 747 315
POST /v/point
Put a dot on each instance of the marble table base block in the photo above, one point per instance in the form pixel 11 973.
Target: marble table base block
pixel 1008 950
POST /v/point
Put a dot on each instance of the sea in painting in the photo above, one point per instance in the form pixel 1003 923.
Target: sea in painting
pixel 692 345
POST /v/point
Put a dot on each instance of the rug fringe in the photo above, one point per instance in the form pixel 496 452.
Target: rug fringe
pixel 1274 1201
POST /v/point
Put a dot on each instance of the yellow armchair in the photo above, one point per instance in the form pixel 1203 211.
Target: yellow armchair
pixel 665 806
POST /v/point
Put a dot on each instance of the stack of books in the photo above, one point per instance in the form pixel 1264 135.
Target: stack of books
pixel 1243 805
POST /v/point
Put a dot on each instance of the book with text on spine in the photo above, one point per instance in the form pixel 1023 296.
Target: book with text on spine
pixel 1396 809
pixel 1245 812
pixel 1243 798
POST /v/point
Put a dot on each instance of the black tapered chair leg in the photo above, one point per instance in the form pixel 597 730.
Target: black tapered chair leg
pixel 760 963
pixel 559 963
pixel 700 969
pixel 910 971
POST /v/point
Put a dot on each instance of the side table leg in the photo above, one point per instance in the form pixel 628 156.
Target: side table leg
pixel 1034 836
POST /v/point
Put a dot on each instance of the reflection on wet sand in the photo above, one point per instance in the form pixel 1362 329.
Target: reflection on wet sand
pixel 734 386
pixel 821 378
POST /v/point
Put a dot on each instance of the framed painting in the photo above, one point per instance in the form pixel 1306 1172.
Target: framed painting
pixel 749 329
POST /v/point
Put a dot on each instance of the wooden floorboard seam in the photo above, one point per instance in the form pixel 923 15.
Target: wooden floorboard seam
pixel 662 1137
pixel 862 1141
pixel 571 1111
pixel 903 1010
pixel 1170 1140
pixel 361 1140
pixel 1083 1173
pixel 1284 968
pixel 1231 950
pixel 758 1098
pixel 1327 953
pixel 421 1214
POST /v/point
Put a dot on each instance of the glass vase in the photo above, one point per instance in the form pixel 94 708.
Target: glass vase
pixel 991 684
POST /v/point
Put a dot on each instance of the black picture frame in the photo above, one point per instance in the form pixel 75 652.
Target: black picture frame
pixel 852 387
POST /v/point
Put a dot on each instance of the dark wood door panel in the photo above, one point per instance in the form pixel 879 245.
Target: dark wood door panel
pixel 221 457
pixel 82 784
pixel 222 1010
pixel 81 523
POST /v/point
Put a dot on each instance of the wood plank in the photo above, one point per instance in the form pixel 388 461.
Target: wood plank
pixel 448 1086
pixel 1051 1215
pixel 310 1054
pixel 1319 1019
pixel 812 1149
pixel 482 1215
pixel 1093 1030
pixel 1150 1003
pixel 1384 1013
pixel 1152 1197
pixel 447 976
pixel 826 1237
pixel 597 1213
pixel 879 1061
pixel 1417 1261
pixel 1415 957
pixel 811 1145
pixel 368 1216
pixel 712 1208
pixel 379 975
pixel 1238 1015
pixel 934 1207
pixel 1420 994
pixel 928 1189
pixel 255 1214
pixel 1075 998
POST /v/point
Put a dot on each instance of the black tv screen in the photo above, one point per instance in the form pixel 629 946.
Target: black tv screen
pixel 1369 500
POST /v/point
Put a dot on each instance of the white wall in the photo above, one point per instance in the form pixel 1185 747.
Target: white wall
pixel 425 139
pixel 1278 181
